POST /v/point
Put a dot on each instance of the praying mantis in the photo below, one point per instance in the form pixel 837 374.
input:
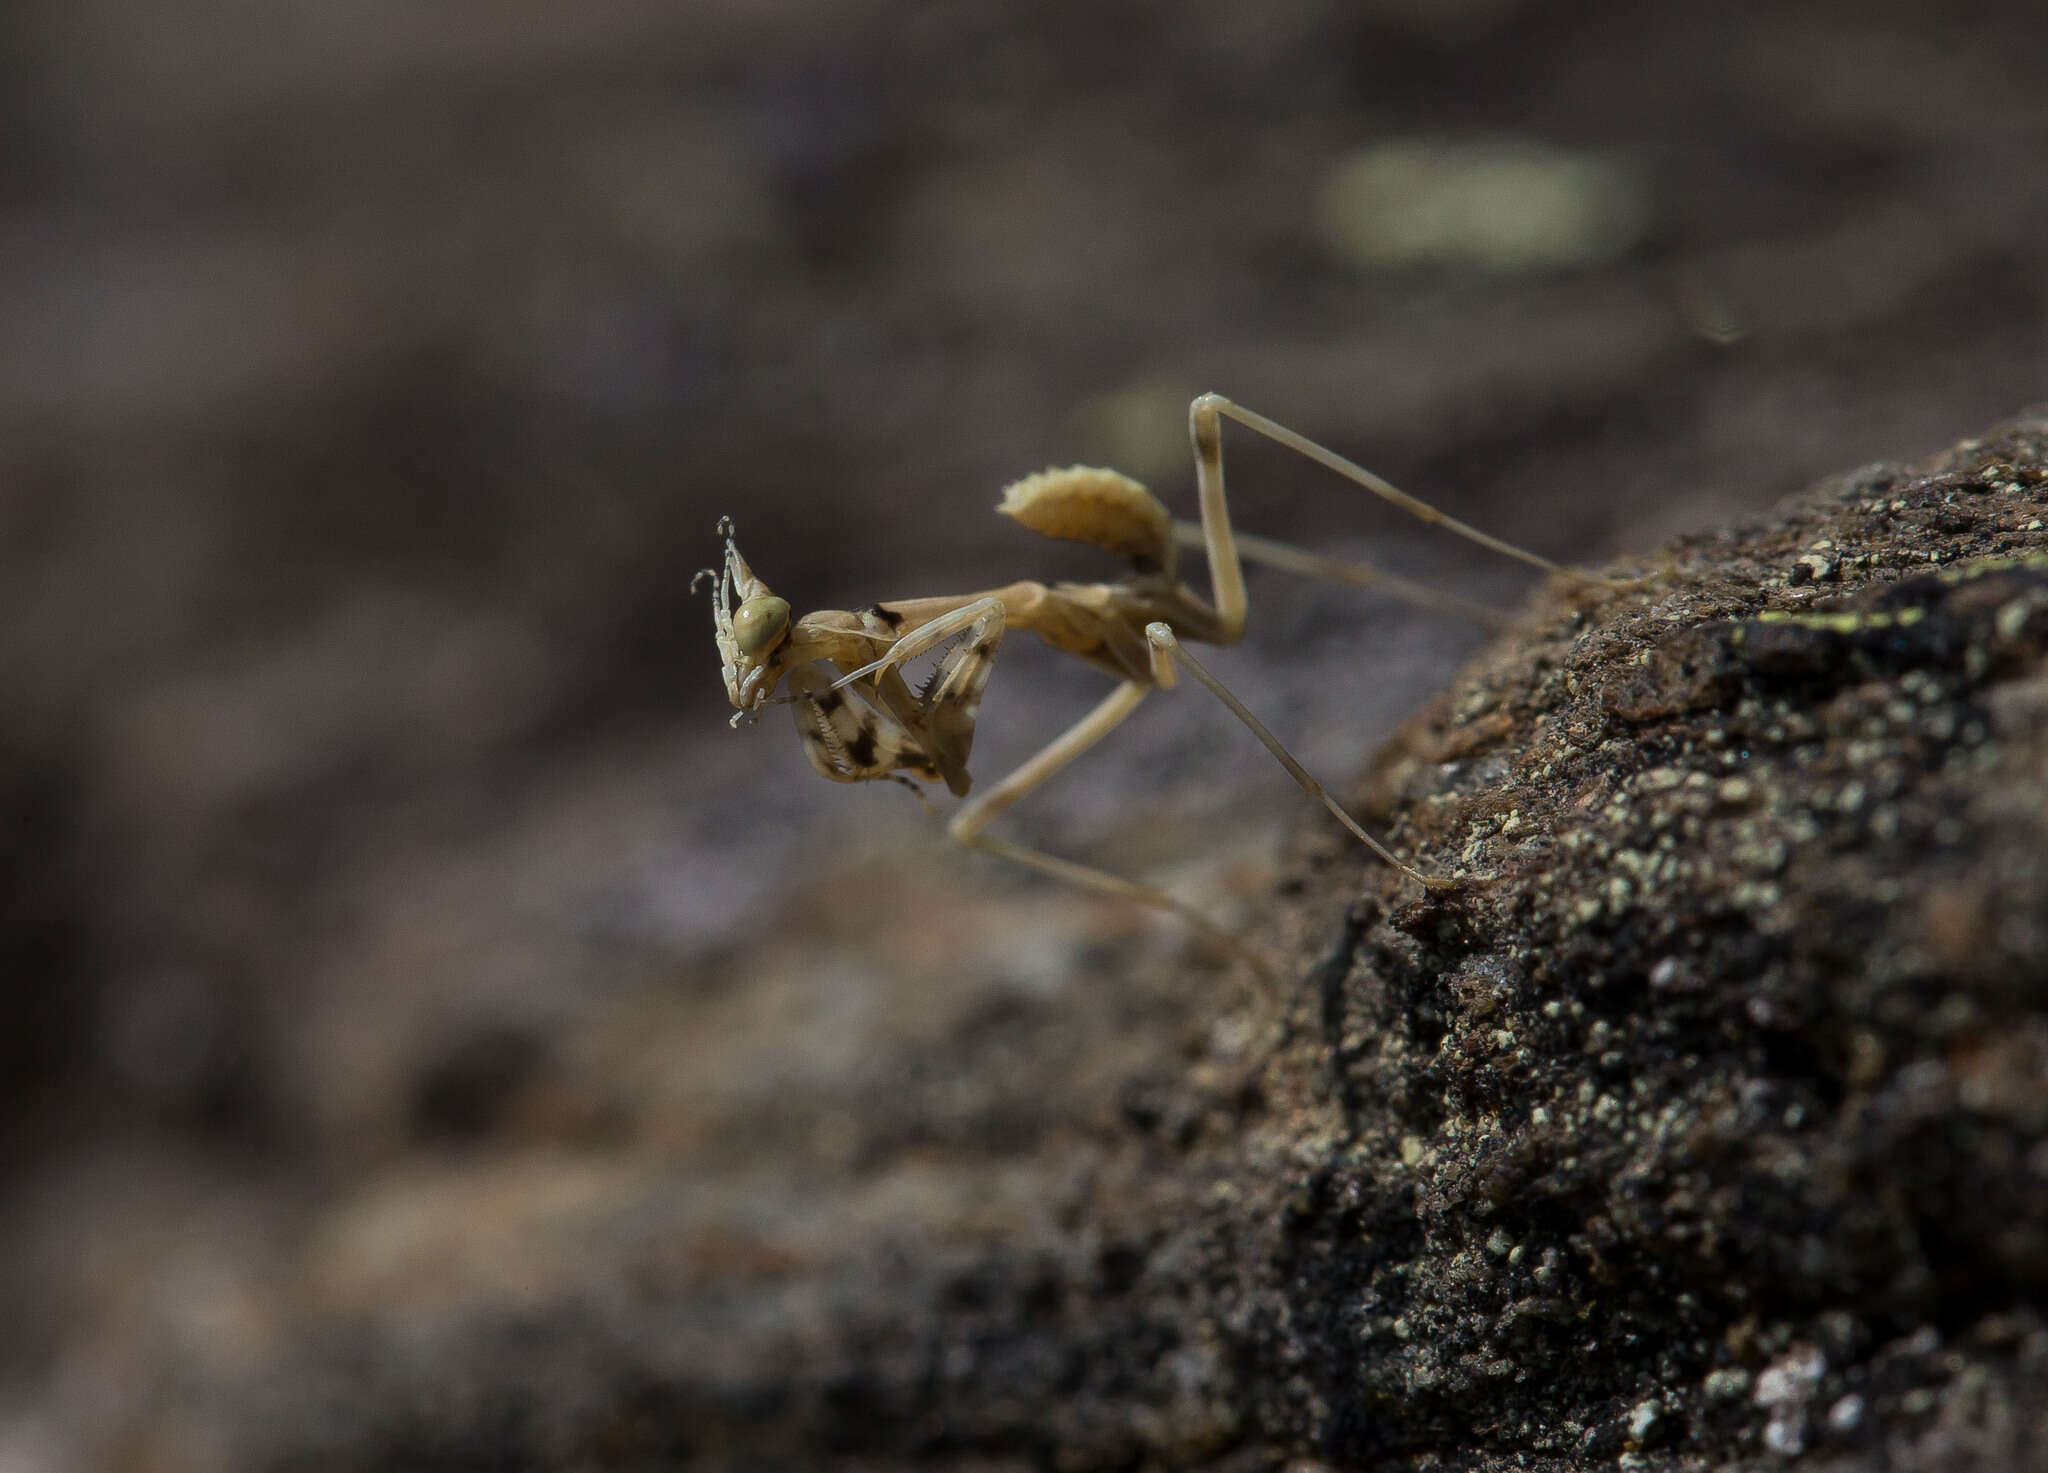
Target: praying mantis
pixel 861 721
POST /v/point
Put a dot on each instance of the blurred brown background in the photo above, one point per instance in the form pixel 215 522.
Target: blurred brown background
pixel 371 378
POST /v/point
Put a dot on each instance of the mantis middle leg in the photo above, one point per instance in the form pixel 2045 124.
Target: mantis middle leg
pixel 968 825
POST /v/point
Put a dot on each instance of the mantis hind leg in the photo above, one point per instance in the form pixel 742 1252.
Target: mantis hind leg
pixel 1205 417
pixel 1163 640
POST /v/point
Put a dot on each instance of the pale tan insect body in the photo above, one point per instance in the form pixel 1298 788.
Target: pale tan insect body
pixel 860 720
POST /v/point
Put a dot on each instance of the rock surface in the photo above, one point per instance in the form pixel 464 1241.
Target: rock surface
pixel 408 983
pixel 1705 1123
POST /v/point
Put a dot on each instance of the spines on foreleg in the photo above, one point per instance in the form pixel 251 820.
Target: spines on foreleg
pixel 847 739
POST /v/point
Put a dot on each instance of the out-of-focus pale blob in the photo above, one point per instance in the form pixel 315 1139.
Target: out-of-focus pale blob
pixel 1141 428
pixel 1711 314
pixel 1500 204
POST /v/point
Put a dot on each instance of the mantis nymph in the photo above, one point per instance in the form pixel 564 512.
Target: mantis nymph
pixel 860 720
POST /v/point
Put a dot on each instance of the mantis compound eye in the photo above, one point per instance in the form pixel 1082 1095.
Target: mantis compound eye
pixel 759 622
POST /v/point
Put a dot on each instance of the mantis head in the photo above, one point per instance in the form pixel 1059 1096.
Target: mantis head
pixel 752 627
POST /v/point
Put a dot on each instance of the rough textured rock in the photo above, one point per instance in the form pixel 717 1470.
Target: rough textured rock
pixel 1704 1124
pixel 423 1018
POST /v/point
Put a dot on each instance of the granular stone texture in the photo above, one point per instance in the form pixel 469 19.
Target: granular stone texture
pixel 1702 1123
pixel 1712 1117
